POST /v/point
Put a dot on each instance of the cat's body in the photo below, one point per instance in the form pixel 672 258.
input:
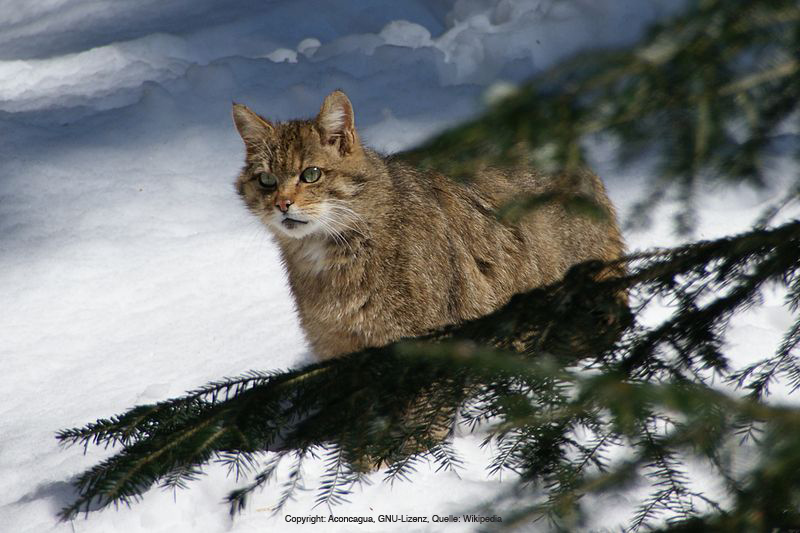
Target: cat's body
pixel 380 250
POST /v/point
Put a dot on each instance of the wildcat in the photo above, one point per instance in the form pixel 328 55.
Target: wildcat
pixel 377 250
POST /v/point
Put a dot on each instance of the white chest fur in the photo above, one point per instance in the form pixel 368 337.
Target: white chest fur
pixel 313 255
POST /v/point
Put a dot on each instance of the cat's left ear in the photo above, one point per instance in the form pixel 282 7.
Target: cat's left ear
pixel 336 123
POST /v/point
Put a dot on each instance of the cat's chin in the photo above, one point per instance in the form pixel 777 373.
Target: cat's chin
pixel 295 229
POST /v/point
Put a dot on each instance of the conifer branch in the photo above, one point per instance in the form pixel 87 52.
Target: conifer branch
pixel 521 382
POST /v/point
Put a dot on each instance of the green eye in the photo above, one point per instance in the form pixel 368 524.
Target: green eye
pixel 268 181
pixel 311 174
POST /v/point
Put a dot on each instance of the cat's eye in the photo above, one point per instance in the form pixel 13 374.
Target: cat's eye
pixel 311 174
pixel 267 180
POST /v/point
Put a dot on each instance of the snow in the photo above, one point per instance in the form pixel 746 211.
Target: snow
pixel 130 272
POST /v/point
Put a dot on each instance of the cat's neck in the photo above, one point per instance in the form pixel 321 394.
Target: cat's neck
pixel 319 253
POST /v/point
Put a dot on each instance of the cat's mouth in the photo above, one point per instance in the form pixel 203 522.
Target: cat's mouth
pixel 291 223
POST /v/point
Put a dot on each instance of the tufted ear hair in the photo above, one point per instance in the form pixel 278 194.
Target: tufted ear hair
pixel 336 123
pixel 252 128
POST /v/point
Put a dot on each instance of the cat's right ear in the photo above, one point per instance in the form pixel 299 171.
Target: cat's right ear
pixel 336 123
pixel 252 128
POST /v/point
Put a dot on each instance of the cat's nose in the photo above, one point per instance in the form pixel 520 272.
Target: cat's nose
pixel 283 204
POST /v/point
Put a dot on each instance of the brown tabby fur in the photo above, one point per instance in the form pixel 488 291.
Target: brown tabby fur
pixel 390 251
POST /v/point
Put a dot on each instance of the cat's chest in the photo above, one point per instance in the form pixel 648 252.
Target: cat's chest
pixel 312 257
pixel 330 284
pixel 321 271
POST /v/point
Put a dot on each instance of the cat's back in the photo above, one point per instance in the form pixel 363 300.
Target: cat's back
pixel 504 230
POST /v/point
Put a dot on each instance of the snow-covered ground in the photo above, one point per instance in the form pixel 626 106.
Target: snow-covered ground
pixel 129 270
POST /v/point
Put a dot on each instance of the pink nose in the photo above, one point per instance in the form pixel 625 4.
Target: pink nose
pixel 283 204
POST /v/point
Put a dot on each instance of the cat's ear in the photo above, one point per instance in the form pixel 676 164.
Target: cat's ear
pixel 252 128
pixel 336 123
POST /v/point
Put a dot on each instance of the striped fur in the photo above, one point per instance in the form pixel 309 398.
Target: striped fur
pixel 388 251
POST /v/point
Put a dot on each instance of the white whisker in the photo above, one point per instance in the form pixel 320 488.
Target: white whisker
pixel 345 218
pixel 328 227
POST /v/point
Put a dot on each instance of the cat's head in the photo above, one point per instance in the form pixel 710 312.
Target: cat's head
pixel 302 177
